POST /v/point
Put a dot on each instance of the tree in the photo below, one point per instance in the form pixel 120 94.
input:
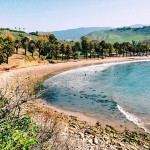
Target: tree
pixel 123 47
pixel 102 46
pixel 8 48
pixel 91 46
pixel 32 47
pixel 51 38
pixel 117 48
pixel 17 43
pixel 85 46
pixel 76 48
pixel 62 50
pixel 41 44
pixel 25 42
pixel 68 51
pixel 2 54
pixel 110 48
pixel 97 48
pixel 56 51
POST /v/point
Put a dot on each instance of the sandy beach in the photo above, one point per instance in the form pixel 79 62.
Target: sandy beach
pixel 52 69
pixel 49 70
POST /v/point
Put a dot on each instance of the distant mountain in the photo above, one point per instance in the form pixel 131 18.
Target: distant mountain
pixel 125 34
pixel 76 34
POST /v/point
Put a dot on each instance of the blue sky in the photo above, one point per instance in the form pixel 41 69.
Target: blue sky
pixel 50 15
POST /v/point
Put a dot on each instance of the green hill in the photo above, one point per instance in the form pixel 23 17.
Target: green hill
pixel 76 34
pixel 122 34
pixel 17 34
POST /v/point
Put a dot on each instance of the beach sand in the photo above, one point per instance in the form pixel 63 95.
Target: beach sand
pixel 49 70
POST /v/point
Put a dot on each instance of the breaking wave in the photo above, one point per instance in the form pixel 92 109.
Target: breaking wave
pixel 135 119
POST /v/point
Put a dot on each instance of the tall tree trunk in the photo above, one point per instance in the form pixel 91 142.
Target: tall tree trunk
pixel 7 59
pixel 123 53
pixel 51 54
pixel 17 50
pixel 62 56
pixel 90 53
pixel 116 53
pixel 25 51
pixel 39 52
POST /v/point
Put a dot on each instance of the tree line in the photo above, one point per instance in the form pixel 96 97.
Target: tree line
pixel 50 47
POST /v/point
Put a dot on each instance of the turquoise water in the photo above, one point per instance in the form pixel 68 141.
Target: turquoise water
pixel 112 91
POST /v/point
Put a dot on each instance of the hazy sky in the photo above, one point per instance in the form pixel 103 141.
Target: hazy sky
pixel 50 15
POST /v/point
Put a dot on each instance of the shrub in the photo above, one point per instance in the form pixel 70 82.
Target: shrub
pixel 42 57
pixel 16 131
pixel 30 58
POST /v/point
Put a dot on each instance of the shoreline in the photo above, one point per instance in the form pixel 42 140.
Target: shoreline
pixel 53 69
pixel 90 119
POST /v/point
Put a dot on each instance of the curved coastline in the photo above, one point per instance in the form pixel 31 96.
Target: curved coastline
pixel 88 117
pixel 53 69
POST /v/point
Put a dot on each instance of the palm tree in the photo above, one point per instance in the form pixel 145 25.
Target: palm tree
pixel 56 52
pixel 39 45
pixel 91 48
pixel 62 50
pixel 2 55
pixel 76 48
pixel 123 48
pixel 68 51
pixel 102 47
pixel 97 49
pixel 117 47
pixel 25 42
pixel 17 43
pixel 110 48
pixel 8 48
pixel 32 47
pixel 85 46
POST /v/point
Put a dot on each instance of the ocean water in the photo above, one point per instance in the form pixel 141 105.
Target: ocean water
pixel 112 92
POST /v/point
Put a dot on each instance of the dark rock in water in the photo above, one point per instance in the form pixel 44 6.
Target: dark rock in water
pixel 81 92
pixel 104 96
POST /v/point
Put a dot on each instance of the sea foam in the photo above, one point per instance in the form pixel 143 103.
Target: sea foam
pixel 134 118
